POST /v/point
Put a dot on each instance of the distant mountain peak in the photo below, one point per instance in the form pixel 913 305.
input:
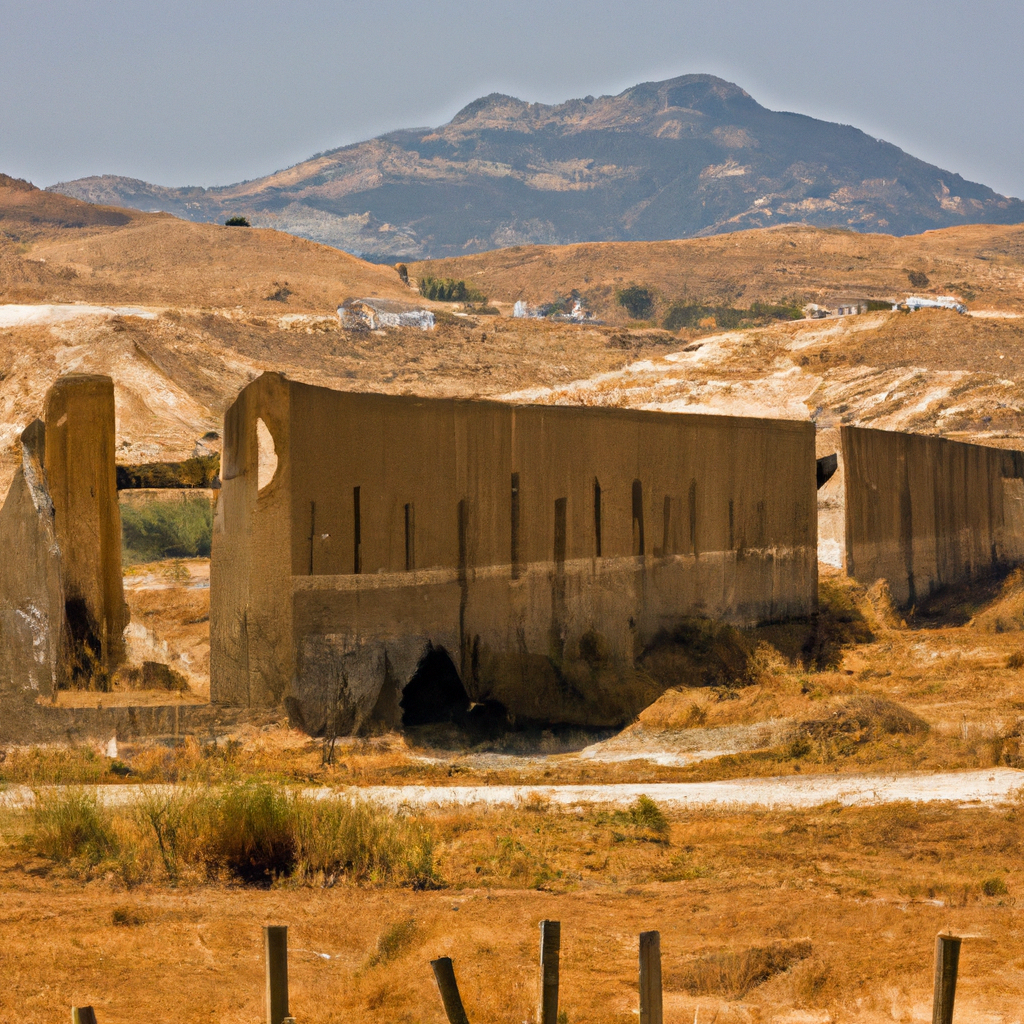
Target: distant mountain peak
pixel 491 103
pixel 692 155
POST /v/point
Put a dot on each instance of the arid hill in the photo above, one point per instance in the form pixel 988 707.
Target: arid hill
pixel 179 315
pixel 57 249
pixel 686 157
pixel 981 264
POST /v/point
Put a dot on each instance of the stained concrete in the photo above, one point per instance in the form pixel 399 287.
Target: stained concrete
pixel 82 480
pixel 31 597
pixel 62 608
pixel 927 512
pixel 544 549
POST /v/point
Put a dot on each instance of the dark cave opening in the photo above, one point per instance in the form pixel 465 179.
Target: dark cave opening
pixel 435 693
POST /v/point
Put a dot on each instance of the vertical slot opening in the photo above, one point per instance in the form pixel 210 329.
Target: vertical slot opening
pixel 732 527
pixel 463 536
pixel 312 533
pixel 597 518
pixel 515 525
pixel 666 536
pixel 410 537
pixel 560 530
pixel 357 555
pixel 693 517
pixel 638 518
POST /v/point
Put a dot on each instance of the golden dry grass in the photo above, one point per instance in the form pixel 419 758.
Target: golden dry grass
pixel 810 264
pixel 57 249
pixel 854 895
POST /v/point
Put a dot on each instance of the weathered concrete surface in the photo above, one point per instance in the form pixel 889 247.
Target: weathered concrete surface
pixel 926 512
pixel 62 609
pixel 31 598
pixel 544 549
pixel 82 480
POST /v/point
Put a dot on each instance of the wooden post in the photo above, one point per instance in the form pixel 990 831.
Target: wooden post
pixel 275 943
pixel 444 974
pixel 550 944
pixel 650 978
pixel 947 960
pixel 83 1015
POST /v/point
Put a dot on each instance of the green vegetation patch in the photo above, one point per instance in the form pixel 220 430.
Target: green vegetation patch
pixel 692 314
pixel 445 289
pixel 162 528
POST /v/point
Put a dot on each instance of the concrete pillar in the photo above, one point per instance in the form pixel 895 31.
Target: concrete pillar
pixel 82 482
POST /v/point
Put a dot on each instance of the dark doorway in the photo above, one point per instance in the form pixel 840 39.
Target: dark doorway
pixel 435 693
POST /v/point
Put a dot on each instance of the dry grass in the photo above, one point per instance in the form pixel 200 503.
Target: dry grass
pixel 811 264
pixel 760 913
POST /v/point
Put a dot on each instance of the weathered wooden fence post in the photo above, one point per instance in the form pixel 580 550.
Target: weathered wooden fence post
pixel 947 961
pixel 444 974
pixel 550 945
pixel 275 943
pixel 650 978
pixel 83 1015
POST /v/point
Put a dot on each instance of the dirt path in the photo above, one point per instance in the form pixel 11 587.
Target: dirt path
pixel 988 786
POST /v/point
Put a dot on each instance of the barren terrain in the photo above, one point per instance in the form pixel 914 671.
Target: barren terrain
pixel 768 915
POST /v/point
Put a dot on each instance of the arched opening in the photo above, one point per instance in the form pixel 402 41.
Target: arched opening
pixel 435 693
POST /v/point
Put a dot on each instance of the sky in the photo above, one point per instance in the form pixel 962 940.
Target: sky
pixel 178 92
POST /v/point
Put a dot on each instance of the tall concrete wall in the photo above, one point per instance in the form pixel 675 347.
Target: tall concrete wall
pixel 545 549
pixel 31 597
pixel 62 609
pixel 926 512
pixel 82 481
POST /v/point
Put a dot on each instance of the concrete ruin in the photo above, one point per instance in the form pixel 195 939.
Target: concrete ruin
pixel 920 512
pixel 62 608
pixel 376 314
pixel 380 558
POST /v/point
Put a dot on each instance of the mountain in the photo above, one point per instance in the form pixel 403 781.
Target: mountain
pixel 688 157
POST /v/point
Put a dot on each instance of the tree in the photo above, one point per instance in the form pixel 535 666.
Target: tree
pixel 637 301
pixel 237 222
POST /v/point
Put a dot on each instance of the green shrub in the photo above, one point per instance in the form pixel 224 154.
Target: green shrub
pixel 645 813
pixel 448 290
pixel 879 305
pixel 70 826
pixel 253 834
pixel 160 528
pixel 776 311
pixel 728 318
pixel 637 301
pixel 993 887
pixel 237 222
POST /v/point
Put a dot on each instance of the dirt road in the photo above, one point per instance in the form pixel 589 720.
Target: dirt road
pixel 988 787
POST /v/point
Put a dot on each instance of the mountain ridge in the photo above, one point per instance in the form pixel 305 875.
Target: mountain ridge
pixel 687 157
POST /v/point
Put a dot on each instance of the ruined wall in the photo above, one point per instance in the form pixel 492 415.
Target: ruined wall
pixel 82 483
pixel 62 609
pixel 926 512
pixel 545 549
pixel 31 598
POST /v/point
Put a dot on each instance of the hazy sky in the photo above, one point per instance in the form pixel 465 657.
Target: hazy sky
pixel 205 93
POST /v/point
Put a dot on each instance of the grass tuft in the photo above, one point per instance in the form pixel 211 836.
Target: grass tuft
pixel 71 826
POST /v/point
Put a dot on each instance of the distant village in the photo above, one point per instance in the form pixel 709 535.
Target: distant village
pixel 372 314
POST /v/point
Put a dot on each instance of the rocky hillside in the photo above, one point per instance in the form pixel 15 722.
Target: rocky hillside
pixel 688 157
